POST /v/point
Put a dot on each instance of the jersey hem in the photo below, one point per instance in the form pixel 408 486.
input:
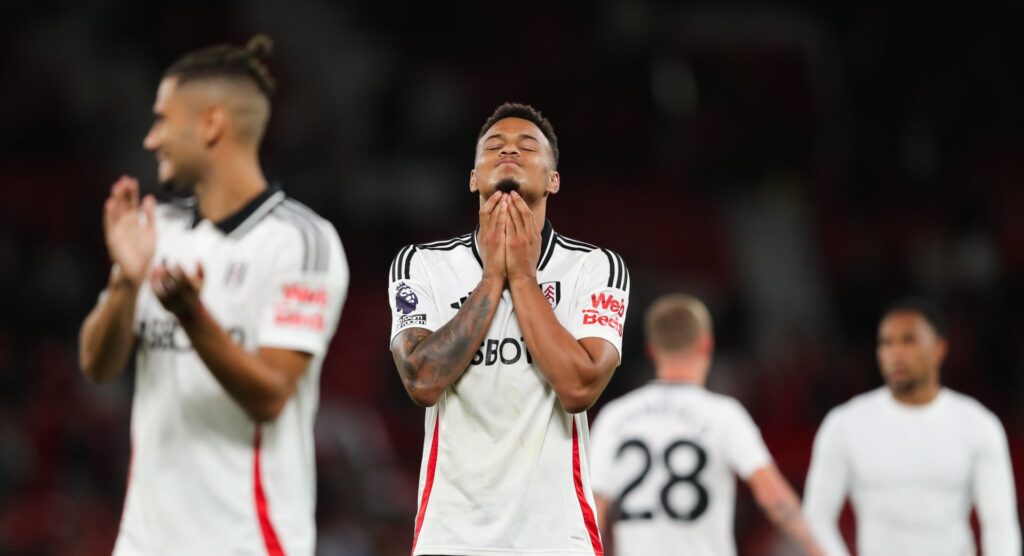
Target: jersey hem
pixel 467 551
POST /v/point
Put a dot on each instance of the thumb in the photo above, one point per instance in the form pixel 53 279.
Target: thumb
pixel 197 280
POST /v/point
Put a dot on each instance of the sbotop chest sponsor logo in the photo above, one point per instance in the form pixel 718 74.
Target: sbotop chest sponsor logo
pixel 507 351
pixel 167 334
pixel 605 310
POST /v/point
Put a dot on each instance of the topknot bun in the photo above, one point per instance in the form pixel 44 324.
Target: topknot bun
pixel 260 46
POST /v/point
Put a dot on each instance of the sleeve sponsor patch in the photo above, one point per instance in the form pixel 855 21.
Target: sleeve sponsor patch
pixel 605 310
pixel 301 306
pixel 405 299
pixel 412 320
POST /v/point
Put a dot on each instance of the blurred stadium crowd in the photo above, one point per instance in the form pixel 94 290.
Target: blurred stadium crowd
pixel 797 167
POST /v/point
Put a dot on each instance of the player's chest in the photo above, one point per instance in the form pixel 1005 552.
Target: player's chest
pixel 231 288
pixel 906 452
pixel 457 287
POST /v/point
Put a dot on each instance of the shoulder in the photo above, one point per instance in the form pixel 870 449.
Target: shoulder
pixel 612 411
pixel 292 214
pixel 294 228
pixel 865 402
pixel 402 263
pixel 971 409
pixel 596 260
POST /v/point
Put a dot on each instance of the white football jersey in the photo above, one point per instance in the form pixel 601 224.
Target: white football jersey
pixel 667 454
pixel 204 477
pixel 505 467
pixel 912 474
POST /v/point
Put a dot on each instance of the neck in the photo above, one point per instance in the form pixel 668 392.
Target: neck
pixel 921 394
pixel 688 369
pixel 229 185
pixel 539 208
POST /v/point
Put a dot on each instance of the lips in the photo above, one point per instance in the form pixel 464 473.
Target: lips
pixel 509 161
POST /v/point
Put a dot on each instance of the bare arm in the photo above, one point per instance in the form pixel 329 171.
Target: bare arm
pixel 261 383
pixel 430 362
pixel 578 370
pixel 107 337
pixel 780 504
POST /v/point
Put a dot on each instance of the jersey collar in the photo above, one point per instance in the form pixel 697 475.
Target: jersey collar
pixel 546 235
pixel 253 211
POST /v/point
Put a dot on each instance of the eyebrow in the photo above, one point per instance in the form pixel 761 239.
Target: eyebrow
pixel 502 136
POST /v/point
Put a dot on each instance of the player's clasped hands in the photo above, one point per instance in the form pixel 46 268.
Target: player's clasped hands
pixel 522 238
pixel 509 238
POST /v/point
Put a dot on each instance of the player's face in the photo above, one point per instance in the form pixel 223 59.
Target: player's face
pixel 909 351
pixel 515 151
pixel 174 137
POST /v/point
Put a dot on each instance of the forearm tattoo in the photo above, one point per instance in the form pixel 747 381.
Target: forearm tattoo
pixel 435 360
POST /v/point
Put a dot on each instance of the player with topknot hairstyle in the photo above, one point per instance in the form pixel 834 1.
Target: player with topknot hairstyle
pixel 229 299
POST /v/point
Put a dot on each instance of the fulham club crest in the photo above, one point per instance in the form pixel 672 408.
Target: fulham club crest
pixel 552 292
pixel 235 275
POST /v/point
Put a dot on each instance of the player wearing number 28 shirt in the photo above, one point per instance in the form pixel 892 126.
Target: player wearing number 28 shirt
pixel 507 335
pixel 665 455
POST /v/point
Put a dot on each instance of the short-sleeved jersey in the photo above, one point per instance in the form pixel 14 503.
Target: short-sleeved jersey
pixel 204 477
pixel 505 467
pixel 912 473
pixel 667 454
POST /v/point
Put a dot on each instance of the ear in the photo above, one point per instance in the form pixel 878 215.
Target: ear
pixel 473 187
pixel 706 344
pixel 649 352
pixel 941 350
pixel 554 183
pixel 215 125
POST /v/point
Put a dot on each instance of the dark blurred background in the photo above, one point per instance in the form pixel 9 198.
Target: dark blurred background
pixel 796 166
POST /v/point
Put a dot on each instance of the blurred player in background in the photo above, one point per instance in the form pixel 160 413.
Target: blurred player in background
pixel 231 301
pixel 913 456
pixel 507 335
pixel 665 456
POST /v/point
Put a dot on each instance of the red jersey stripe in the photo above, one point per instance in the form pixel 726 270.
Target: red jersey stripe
pixel 588 513
pixel 270 539
pixel 429 483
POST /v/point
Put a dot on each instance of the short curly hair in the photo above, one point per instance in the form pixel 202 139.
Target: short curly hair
pixel 526 112
pixel 225 60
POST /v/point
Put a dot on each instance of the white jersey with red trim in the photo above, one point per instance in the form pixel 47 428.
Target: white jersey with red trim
pixel 667 455
pixel 505 467
pixel 204 477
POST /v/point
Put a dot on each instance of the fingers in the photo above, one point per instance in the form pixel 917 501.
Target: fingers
pixel 502 221
pixel 489 205
pixel 132 191
pixel 519 205
pixel 158 281
pixel 149 207
pixel 487 212
pixel 515 218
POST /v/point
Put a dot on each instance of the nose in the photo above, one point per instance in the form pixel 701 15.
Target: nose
pixel 509 149
pixel 150 142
